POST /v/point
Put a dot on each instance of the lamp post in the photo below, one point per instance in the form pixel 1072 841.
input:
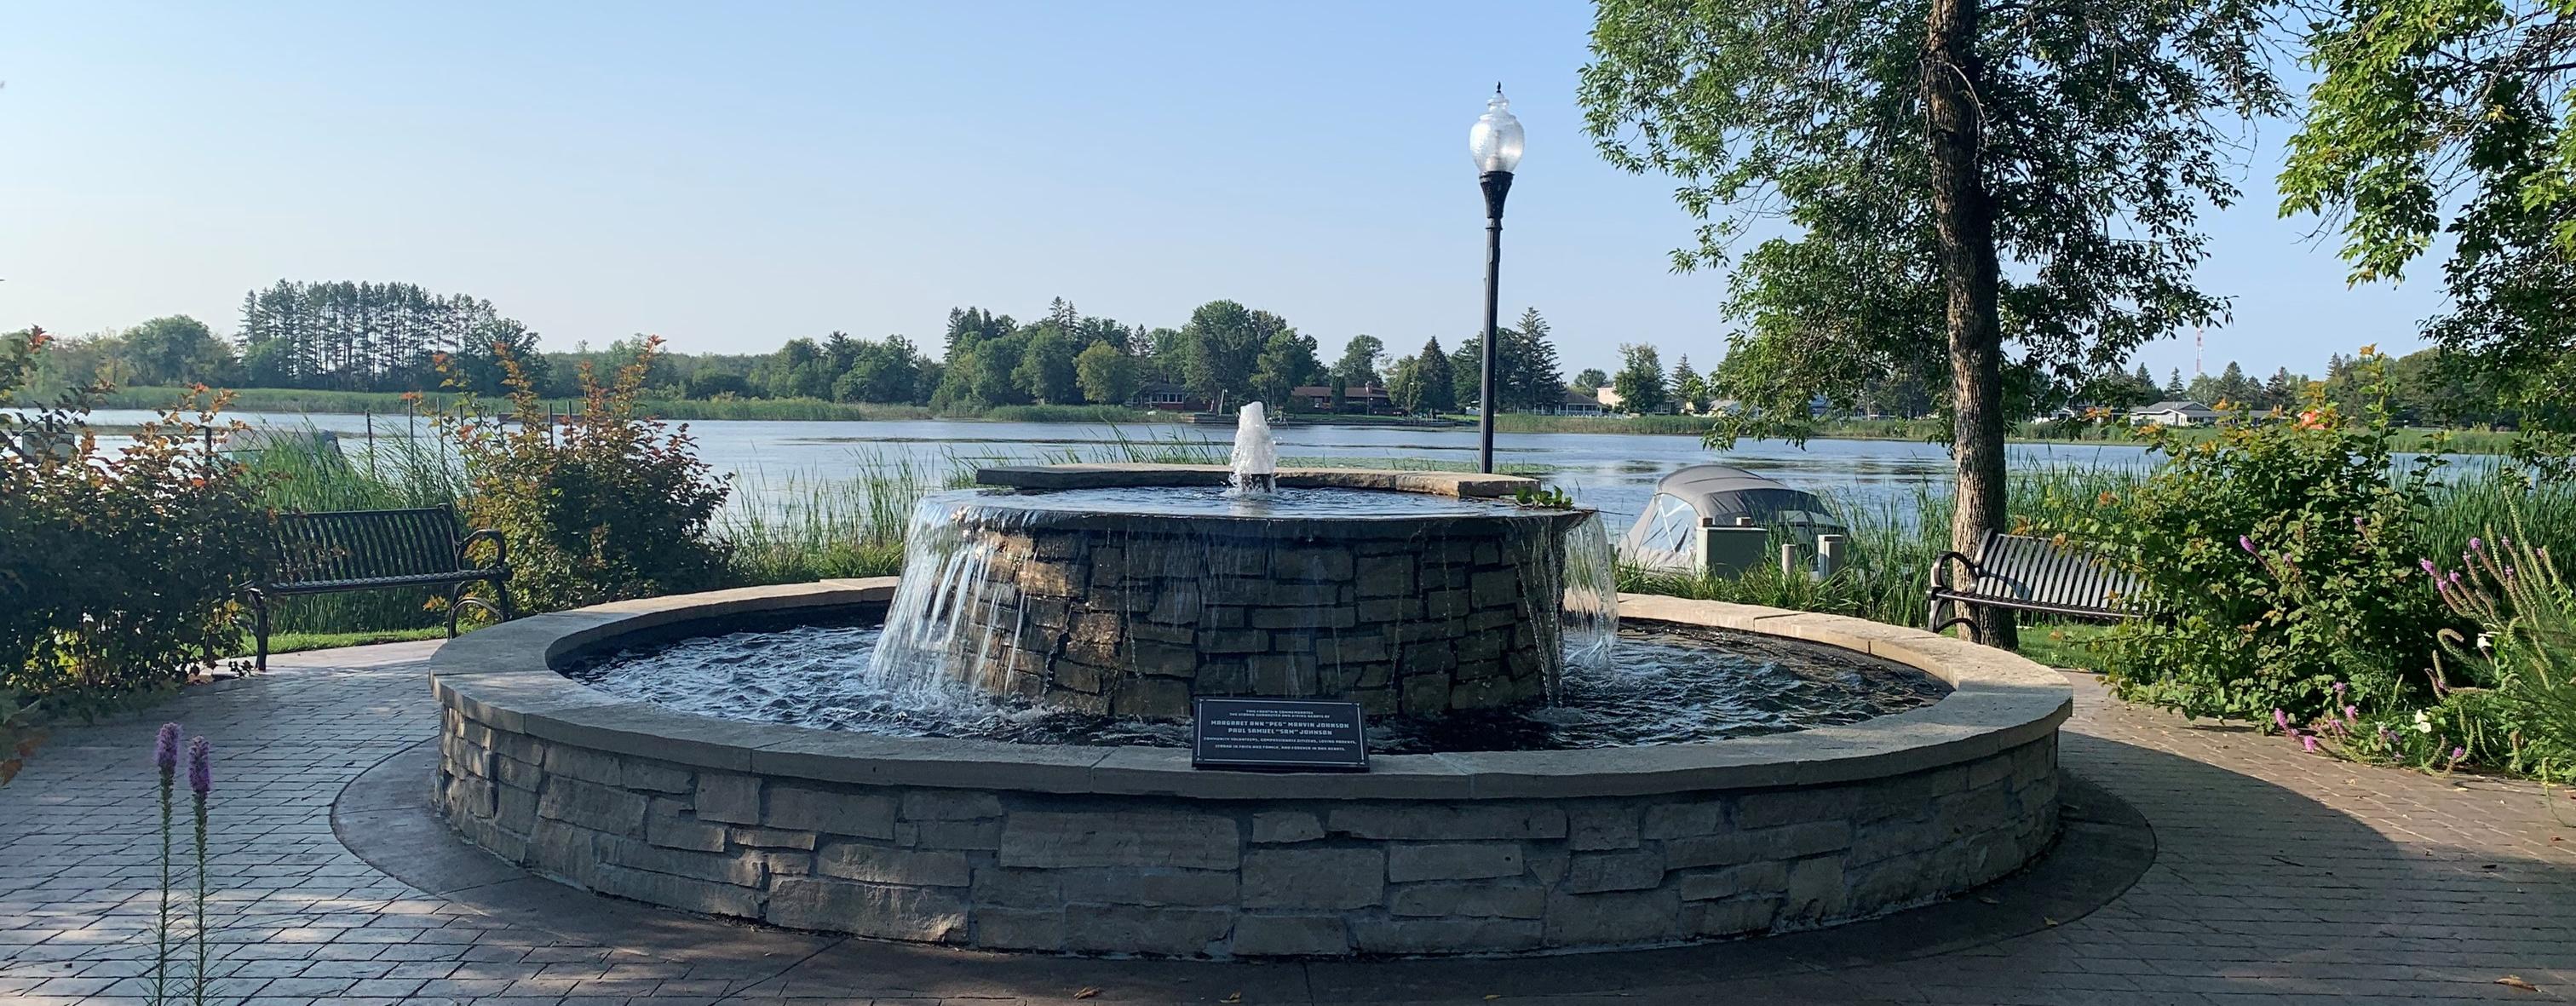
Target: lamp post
pixel 1495 141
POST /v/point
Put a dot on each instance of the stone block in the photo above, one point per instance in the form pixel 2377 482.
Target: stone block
pixel 1788 841
pixel 1019 928
pixel 885 865
pixel 733 799
pixel 590 805
pixel 1444 936
pixel 513 772
pixel 1018 888
pixel 1385 576
pixel 719 867
pixel 1614 871
pixel 1683 820
pixel 1233 641
pixel 1816 890
pixel 1453 861
pixel 1151 888
pixel 1767 878
pixel 949 805
pixel 665 824
pixel 830 812
pixel 1122 838
pixel 517 809
pixel 921 914
pixel 1489 899
pixel 983 836
pixel 1279 826
pixel 585 764
pixel 1628 917
pixel 469 795
pixel 1791 806
pixel 677 892
pixel 1291 936
pixel 1448 822
pixel 772 838
pixel 1338 879
pixel 563 850
pixel 659 777
pixel 1424 693
pixel 1731 918
pixel 1170 932
pixel 1151 698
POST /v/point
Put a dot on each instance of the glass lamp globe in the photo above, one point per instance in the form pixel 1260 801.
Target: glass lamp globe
pixel 1495 141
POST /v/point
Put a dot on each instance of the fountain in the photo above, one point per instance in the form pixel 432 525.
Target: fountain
pixel 991 750
pixel 1132 599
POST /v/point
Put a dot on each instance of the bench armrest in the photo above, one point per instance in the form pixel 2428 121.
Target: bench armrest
pixel 500 548
pixel 1942 563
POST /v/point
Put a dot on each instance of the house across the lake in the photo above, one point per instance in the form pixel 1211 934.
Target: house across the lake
pixel 2179 412
pixel 1168 397
pixel 1363 399
pixel 1579 403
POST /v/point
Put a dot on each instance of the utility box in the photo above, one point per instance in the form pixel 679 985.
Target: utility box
pixel 1732 550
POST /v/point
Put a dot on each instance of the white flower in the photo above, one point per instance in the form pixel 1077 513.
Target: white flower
pixel 2423 722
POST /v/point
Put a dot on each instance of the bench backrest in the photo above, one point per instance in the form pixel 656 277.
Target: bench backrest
pixel 2037 571
pixel 365 544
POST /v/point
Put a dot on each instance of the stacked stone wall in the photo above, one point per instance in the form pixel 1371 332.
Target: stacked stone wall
pixel 1011 870
pixel 1135 619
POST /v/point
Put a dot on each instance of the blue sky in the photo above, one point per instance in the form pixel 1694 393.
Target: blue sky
pixel 733 177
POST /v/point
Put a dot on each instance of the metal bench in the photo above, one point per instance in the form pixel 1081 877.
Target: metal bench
pixel 2024 573
pixel 323 553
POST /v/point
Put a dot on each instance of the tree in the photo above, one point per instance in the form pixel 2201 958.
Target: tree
pixel 1640 381
pixel 478 363
pixel 1358 364
pixel 1439 392
pixel 1107 376
pixel 1287 360
pixel 2455 118
pixel 1045 370
pixel 1590 380
pixel 175 349
pixel 2174 388
pixel 1689 390
pixel 2282 391
pixel 1917 147
pixel 1221 345
pixel 1536 380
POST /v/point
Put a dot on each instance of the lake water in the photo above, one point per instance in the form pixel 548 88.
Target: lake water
pixel 1614 473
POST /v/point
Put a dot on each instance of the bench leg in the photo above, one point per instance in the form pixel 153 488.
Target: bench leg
pixel 501 589
pixel 455 606
pixel 259 627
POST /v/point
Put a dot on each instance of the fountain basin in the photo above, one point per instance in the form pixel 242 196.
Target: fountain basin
pixel 1092 850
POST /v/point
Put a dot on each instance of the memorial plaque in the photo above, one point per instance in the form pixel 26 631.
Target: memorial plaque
pixel 1278 735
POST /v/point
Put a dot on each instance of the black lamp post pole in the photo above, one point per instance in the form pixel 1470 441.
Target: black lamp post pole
pixel 1497 184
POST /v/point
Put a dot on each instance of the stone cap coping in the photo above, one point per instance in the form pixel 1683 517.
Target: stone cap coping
pixel 505 676
pixel 1466 485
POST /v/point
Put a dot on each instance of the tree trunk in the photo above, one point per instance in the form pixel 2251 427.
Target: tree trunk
pixel 1964 214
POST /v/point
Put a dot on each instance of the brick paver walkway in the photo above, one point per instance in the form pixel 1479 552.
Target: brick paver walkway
pixel 2279 876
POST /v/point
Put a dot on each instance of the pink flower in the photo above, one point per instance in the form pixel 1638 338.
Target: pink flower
pixel 2282 720
pixel 2428 566
pixel 2338 689
pixel 2352 715
pixel 2309 743
pixel 2474 546
pixel 2459 753
pixel 2245 542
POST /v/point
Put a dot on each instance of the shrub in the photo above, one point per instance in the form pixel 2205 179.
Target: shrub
pixel 2281 556
pixel 2519 670
pixel 614 506
pixel 119 569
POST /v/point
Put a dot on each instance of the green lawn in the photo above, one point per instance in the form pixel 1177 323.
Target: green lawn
pixel 2063 644
pixel 290 642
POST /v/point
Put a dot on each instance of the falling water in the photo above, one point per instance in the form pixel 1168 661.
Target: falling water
pixel 1256 457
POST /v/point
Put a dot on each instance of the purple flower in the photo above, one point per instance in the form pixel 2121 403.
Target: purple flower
pixel 201 766
pixel 2282 720
pixel 2459 753
pixel 2246 542
pixel 2338 689
pixel 2428 567
pixel 2309 743
pixel 2474 546
pixel 165 748
pixel 2352 715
